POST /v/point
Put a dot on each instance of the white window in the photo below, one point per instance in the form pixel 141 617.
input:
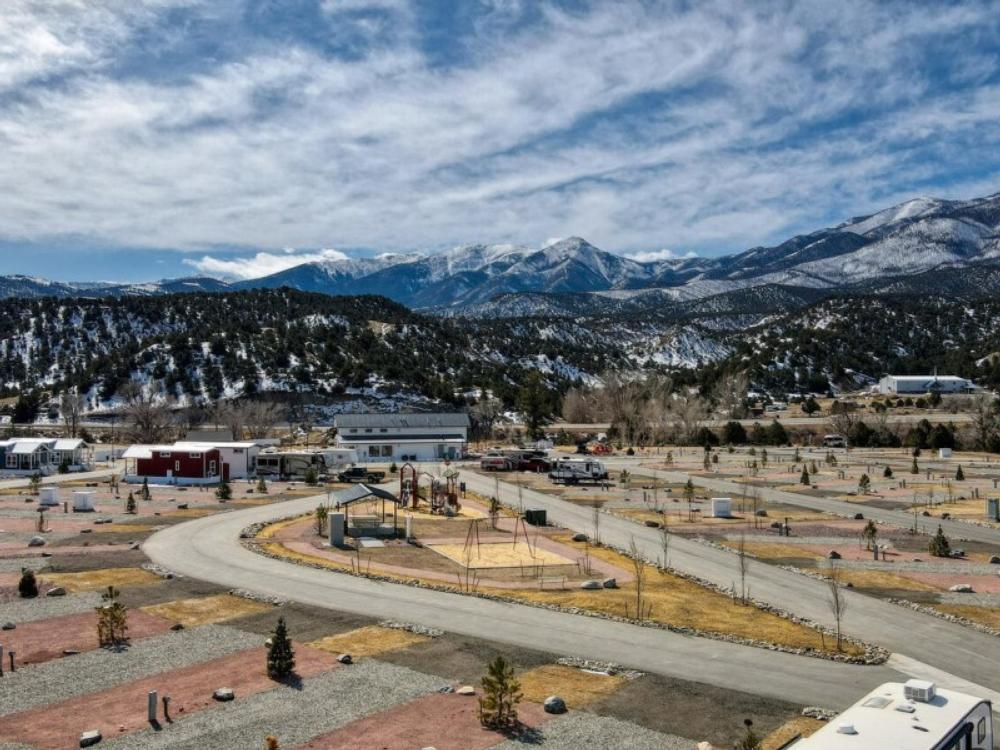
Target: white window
pixel 194 455
pixel 164 454
pixel 211 468
pixel 11 461
pixel 177 465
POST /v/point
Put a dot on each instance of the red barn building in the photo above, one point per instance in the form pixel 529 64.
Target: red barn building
pixel 172 464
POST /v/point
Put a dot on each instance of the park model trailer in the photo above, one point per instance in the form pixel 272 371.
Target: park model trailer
pixel 576 470
pixel 296 464
pixel 911 716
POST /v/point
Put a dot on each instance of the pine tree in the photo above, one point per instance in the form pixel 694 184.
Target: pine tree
pixel 321 516
pixel 888 472
pixel 144 492
pixel 261 486
pixel 939 545
pixel 312 478
pixel 224 491
pixel 130 505
pixel 864 484
pixel 112 619
pixel 804 479
pixel 959 475
pixel 914 469
pixel 280 656
pixel 27 587
pixel 501 694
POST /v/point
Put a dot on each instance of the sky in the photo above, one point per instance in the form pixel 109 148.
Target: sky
pixel 161 138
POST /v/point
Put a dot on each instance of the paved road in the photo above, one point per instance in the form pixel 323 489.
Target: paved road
pixel 952 648
pixel 208 549
pixel 904 519
pixel 788 421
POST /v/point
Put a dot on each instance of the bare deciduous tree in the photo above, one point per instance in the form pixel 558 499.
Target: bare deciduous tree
pixel 730 394
pixel 639 569
pixel 71 407
pixel 148 418
pixel 744 564
pixel 837 602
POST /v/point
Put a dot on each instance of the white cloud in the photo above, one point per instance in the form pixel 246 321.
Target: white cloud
pixel 535 133
pixel 260 264
pixel 650 256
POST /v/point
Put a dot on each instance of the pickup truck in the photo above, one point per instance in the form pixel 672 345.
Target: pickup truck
pixel 361 474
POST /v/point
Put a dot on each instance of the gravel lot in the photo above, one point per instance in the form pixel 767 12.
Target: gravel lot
pixel 44 607
pixel 68 677
pixel 581 729
pixel 323 704
pixel 15 564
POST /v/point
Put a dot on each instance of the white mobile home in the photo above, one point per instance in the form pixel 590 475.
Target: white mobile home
pixel 912 716
pixel 25 456
pixel 403 437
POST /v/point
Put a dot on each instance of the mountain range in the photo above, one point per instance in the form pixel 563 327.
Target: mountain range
pixel 920 245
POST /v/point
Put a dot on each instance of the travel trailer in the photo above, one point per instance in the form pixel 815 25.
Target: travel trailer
pixel 576 470
pixel 916 715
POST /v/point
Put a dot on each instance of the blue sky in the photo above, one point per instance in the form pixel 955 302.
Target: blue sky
pixel 159 138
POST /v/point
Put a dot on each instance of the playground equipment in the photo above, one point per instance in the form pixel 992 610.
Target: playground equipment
pixel 440 493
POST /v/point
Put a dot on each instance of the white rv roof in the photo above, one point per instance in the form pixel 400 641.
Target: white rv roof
pixel 878 723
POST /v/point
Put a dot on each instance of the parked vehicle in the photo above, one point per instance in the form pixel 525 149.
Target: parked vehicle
pixel 495 461
pixel 576 470
pixel 534 463
pixel 361 474
pixel 834 441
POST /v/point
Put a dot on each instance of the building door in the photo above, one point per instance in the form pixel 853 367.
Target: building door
pixel 225 471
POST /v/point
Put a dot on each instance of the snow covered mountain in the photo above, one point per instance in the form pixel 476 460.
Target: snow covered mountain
pixel 903 245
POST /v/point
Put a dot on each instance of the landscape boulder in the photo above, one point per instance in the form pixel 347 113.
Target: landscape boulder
pixel 833 555
pixel 761 513
pixel 56 591
pixel 224 694
pixel 345 659
pixel 859 516
pixel 591 585
pixel 579 537
pixel 995 560
pixel 90 738
pixel 554 705
pixel 177 626
pixel 653 524
pixel 466 690
pixel 961 588
pixel 182 506
pixel 36 541
pixel 8 626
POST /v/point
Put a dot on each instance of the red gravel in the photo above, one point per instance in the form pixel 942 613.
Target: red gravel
pixel 122 709
pixel 444 721
pixel 42 640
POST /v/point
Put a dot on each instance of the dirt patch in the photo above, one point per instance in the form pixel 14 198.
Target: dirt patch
pixel 370 640
pixel 801 726
pixel 691 709
pixel 169 590
pixel 305 623
pixel 500 555
pixel 445 722
pixel 462 660
pixel 43 640
pixel 91 580
pixel 206 609
pixel 96 559
pixel 190 690
pixel 577 687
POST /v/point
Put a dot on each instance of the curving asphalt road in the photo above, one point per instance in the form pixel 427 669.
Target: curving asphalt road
pixel 945 646
pixel 209 549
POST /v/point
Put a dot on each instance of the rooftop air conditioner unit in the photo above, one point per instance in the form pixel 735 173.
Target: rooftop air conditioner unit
pixel 919 690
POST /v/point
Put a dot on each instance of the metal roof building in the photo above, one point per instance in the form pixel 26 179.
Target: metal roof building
pixel 404 437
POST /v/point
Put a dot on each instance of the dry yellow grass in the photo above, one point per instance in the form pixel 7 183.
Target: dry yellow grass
pixel 988 616
pixel 270 530
pixel 800 726
pixel 124 528
pixel 370 640
pixel 877 579
pixel 499 555
pixel 206 609
pixel 575 686
pixel 90 580
pixel 773 550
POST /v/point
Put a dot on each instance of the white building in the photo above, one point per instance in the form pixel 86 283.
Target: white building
pixel 921 384
pixel 25 456
pixel 403 437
